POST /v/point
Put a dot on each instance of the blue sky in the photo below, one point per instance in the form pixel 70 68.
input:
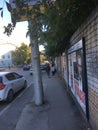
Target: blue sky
pixel 19 33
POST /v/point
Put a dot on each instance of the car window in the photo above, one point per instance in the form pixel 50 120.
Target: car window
pixel 16 75
pixel 0 79
pixel 10 76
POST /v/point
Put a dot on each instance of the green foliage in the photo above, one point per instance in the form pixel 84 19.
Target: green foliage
pixel 22 55
pixel 8 29
pixel 61 20
pixel 8 7
pixel 42 57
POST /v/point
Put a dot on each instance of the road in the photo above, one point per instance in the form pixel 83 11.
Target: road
pixel 10 112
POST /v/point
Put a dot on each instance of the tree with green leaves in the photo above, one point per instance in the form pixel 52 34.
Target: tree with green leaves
pixel 61 19
pixel 22 55
pixel 43 57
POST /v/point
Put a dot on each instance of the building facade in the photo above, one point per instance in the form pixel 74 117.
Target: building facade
pixel 6 59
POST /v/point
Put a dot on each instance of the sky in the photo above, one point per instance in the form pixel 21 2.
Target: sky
pixel 19 33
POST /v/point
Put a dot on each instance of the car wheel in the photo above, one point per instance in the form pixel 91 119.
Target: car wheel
pixel 25 84
pixel 10 96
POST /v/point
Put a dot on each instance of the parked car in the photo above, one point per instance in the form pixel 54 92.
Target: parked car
pixel 26 67
pixel 43 66
pixel 10 83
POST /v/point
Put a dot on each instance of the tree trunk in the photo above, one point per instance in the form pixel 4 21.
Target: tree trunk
pixel 38 86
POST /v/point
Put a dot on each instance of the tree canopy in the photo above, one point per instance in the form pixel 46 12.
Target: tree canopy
pixel 60 20
pixel 22 55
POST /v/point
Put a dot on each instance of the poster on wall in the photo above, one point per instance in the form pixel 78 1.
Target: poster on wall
pixel 64 67
pixel 70 66
pixel 75 63
pixel 65 72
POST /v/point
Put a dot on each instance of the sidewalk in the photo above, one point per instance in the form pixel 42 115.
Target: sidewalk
pixel 58 113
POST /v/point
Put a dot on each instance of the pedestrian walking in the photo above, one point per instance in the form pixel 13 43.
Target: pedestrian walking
pixel 53 69
pixel 48 69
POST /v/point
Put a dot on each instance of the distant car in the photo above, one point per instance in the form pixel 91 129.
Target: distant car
pixel 31 71
pixel 26 67
pixel 10 83
pixel 43 66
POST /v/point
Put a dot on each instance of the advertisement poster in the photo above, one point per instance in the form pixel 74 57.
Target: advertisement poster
pixel 76 73
pixel 64 67
pixel 70 66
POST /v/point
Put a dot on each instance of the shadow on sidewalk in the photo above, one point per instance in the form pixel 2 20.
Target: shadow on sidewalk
pixel 58 113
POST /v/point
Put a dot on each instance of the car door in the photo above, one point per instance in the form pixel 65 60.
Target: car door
pixel 19 80
pixel 11 81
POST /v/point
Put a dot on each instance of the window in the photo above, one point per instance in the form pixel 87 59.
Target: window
pixel 9 56
pixel 10 76
pixel 3 57
pixel 16 75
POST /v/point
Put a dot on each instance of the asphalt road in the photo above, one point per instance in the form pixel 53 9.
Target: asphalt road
pixel 10 112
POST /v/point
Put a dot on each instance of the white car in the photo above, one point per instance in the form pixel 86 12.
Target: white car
pixel 10 83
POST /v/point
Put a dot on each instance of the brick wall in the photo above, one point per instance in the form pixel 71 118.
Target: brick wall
pixel 89 30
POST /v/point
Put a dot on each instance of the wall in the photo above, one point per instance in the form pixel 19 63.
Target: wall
pixel 89 30
pixel 6 59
